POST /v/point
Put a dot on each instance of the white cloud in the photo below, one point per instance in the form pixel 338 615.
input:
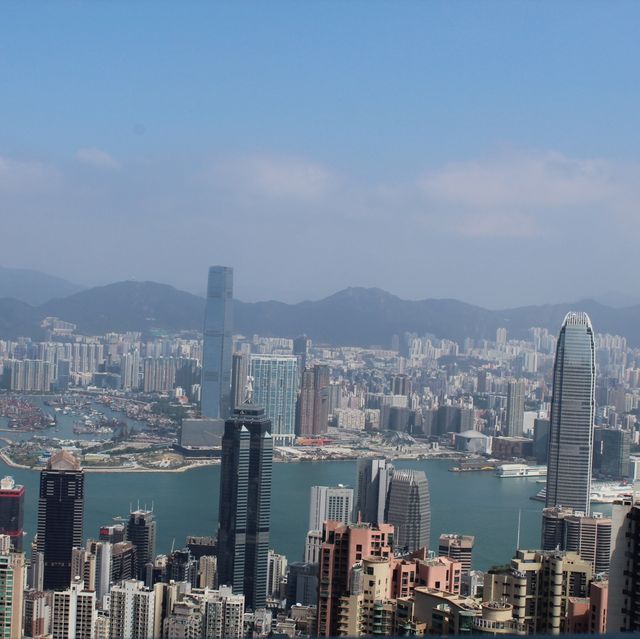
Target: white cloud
pixel 97 158
pixel 308 213
pixel 274 177
pixel 509 195
pixel 21 175
pixel 522 180
pixel 512 194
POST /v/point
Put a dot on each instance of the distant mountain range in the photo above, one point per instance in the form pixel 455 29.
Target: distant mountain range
pixel 354 316
pixel 33 287
pixel 363 317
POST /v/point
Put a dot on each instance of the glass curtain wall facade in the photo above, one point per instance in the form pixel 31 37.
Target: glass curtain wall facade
pixel 409 510
pixel 275 388
pixel 572 414
pixel 216 353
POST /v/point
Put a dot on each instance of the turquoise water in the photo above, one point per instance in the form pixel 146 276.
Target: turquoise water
pixel 187 503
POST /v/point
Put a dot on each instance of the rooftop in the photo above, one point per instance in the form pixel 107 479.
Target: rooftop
pixel 63 460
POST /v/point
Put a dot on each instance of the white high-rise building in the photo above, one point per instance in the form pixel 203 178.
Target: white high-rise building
pixel 206 614
pixel 312 546
pixel 130 370
pixel 184 622
pixel 103 553
pixel 223 614
pixel 330 502
pixel 132 611
pixel 74 613
pixel 276 570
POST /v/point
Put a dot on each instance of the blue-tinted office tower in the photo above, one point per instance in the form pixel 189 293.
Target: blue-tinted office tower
pixel 216 356
pixel 275 388
pixel 572 413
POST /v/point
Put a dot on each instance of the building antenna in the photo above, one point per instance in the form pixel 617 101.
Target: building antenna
pixel 518 538
pixel 248 390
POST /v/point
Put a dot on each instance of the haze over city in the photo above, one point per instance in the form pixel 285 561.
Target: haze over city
pixel 319 319
pixel 472 151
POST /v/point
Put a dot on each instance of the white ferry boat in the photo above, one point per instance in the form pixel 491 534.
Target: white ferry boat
pixel 601 492
pixel 608 492
pixel 520 470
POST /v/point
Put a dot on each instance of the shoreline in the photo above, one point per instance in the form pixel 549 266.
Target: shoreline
pixel 7 461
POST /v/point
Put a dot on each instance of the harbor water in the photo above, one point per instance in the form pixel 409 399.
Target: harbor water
pixel 477 503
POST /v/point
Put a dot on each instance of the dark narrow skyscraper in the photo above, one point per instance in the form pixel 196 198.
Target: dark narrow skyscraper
pixel 313 401
pixel 304 406
pixel 60 514
pixel 245 504
pixel 141 532
pixel 12 511
pixel 409 510
pixel 216 353
pixel 401 384
pixel 572 413
pixel 541 440
pixel 301 346
pixel 515 408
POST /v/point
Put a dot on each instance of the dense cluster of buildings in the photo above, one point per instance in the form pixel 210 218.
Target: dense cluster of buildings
pixel 369 565
pixel 116 361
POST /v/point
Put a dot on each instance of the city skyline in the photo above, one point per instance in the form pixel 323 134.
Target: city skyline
pixel 415 401
pixel 405 400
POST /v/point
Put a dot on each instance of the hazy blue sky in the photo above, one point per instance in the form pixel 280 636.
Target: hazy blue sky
pixel 488 151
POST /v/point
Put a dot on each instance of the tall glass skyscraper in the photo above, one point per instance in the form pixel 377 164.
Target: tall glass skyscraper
pixel 572 413
pixel 409 510
pixel 245 504
pixel 275 388
pixel 216 355
pixel 141 532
